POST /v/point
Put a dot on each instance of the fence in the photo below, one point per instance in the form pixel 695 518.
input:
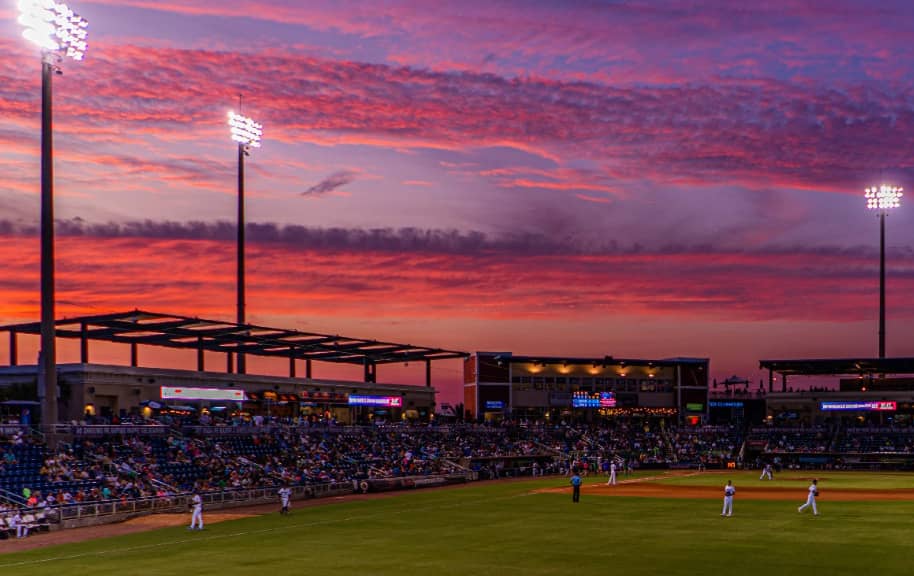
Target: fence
pixel 115 510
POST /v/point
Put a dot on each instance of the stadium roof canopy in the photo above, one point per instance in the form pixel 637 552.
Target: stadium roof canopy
pixel 839 366
pixel 605 360
pixel 175 331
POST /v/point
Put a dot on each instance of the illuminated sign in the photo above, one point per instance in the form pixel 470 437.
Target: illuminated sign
pixel 725 404
pixel 386 401
pixel 593 400
pixel 180 392
pixel 881 406
pixel 695 407
pixel 495 405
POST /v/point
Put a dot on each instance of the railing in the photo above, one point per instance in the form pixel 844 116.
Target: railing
pixel 110 507
pixel 555 451
pixel 158 483
pixel 12 498
pixel 179 502
pixel 453 466
pixel 94 430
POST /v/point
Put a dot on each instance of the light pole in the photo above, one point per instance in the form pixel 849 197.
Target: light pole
pixel 59 32
pixel 247 134
pixel 883 199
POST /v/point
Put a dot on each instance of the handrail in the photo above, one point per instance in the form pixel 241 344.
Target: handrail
pixel 112 429
pixel 12 498
pixel 179 501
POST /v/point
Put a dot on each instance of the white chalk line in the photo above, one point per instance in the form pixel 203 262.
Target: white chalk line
pixel 644 479
pixel 251 532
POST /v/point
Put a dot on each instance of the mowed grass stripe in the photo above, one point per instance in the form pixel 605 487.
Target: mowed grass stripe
pixel 498 529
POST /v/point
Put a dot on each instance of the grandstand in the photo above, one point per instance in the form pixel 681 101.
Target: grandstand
pixel 132 445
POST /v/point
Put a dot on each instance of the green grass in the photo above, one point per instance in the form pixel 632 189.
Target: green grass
pixel 800 480
pixel 503 529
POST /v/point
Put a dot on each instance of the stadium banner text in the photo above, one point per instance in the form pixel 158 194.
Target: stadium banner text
pixel 365 400
pixel 183 393
pixel 882 406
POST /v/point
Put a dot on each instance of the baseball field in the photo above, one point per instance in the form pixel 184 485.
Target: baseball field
pixel 662 524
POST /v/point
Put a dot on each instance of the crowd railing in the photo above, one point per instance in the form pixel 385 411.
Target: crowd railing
pixel 180 502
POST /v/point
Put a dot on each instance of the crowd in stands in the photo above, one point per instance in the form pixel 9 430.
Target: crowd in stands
pixel 273 453
pixel 876 440
pixel 269 453
pixel 705 446
pixel 794 440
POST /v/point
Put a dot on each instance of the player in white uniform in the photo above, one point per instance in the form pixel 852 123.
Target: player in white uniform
pixel 196 517
pixel 21 529
pixel 811 499
pixel 729 491
pixel 612 474
pixel 766 471
pixel 285 493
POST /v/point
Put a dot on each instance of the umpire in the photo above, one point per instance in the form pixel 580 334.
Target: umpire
pixel 575 486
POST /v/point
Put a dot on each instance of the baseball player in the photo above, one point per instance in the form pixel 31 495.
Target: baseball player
pixel 811 499
pixel 612 474
pixel 196 517
pixel 729 491
pixel 21 529
pixel 285 493
pixel 766 472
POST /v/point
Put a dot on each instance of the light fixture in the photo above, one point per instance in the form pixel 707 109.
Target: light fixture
pixel 244 130
pixel 54 27
pixel 884 197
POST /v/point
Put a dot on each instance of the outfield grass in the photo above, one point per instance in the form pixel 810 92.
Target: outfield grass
pixel 503 529
pixel 800 480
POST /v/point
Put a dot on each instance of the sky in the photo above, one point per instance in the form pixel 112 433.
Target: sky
pixel 651 178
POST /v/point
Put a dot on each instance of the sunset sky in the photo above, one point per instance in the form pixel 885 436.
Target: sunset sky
pixel 648 178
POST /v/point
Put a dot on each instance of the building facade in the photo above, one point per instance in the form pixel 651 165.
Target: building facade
pixel 501 384
pixel 106 392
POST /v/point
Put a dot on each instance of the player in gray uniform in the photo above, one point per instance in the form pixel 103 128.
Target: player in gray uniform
pixel 766 471
pixel 811 499
pixel 196 517
pixel 285 493
pixel 729 491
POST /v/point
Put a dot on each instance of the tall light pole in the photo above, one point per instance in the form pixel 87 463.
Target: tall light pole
pixel 59 32
pixel 883 199
pixel 247 134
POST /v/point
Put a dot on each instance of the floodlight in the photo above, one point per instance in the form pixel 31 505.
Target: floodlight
pixel 884 197
pixel 244 130
pixel 54 27
pixel 247 134
pixel 59 32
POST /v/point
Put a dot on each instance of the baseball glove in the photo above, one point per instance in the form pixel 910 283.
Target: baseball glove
pixel 816 493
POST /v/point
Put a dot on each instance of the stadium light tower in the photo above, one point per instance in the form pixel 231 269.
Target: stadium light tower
pixel 247 134
pixel 883 199
pixel 59 32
